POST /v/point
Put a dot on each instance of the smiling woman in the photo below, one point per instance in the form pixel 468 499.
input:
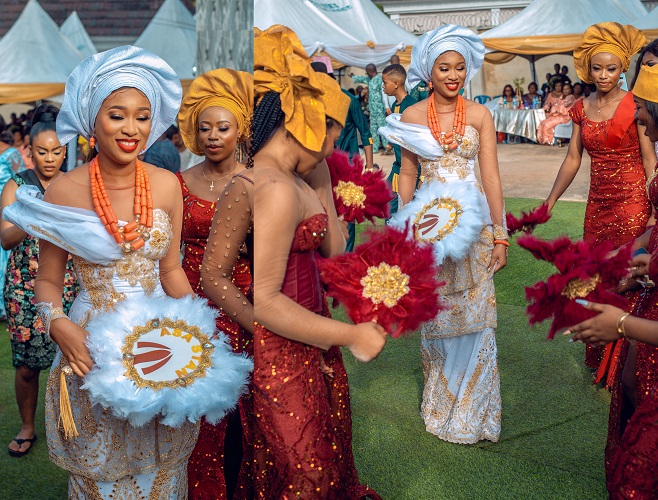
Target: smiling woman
pixel 121 220
pixel 444 133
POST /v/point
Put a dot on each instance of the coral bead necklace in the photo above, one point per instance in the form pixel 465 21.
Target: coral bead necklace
pixel 133 235
pixel 451 140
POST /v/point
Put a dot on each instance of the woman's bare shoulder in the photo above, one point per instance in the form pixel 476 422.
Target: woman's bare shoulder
pixel 416 113
pixel 161 177
pixel 476 108
pixel 70 189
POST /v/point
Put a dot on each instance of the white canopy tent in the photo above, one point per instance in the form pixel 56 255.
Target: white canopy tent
pixel 35 58
pixel 354 32
pixel 648 22
pixel 74 30
pixel 554 26
pixel 566 17
pixel 171 34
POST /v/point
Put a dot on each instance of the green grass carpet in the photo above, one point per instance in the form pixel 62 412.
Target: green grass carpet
pixel 553 429
pixel 554 421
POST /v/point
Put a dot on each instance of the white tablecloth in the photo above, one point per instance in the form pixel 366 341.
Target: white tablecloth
pixel 521 122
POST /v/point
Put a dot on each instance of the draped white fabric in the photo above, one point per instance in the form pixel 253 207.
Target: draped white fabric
pixel 355 32
pixel 77 230
pixel 355 55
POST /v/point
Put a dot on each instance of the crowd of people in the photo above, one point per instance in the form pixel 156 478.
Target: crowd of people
pixel 234 204
pixel 556 97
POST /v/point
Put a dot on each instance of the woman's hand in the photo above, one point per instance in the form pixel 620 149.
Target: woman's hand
pixel 599 330
pixel 368 342
pixel 637 275
pixel 640 265
pixel 71 340
pixel 498 258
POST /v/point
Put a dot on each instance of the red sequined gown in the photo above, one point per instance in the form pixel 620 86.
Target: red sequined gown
pixel 632 451
pixel 303 428
pixel 617 205
pixel 215 447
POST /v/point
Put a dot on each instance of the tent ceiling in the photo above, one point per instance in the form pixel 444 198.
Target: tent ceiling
pixel 554 26
pixel 354 32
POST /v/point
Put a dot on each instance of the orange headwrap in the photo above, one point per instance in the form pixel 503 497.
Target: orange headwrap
pixel 282 66
pixel 620 40
pixel 226 88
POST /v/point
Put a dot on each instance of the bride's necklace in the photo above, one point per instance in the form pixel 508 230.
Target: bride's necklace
pixel 448 140
pixel 133 235
pixel 211 181
pixel 609 102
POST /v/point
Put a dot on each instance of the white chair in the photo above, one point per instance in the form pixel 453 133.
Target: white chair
pixel 563 131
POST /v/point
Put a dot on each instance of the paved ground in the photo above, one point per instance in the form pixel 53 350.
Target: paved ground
pixel 529 170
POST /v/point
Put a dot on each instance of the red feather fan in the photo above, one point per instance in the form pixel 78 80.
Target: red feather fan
pixel 584 271
pixel 528 221
pixel 358 194
pixel 390 279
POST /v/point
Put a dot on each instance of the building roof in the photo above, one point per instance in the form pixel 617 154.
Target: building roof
pixel 99 17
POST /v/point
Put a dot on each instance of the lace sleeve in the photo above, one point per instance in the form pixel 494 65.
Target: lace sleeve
pixel 231 228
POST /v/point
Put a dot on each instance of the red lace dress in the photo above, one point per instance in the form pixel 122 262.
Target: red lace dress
pixel 632 451
pixel 219 456
pixel 303 428
pixel 617 205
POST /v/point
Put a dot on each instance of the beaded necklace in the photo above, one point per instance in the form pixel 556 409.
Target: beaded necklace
pixel 448 140
pixel 133 235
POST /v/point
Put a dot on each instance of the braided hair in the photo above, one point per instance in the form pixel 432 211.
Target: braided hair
pixel 267 118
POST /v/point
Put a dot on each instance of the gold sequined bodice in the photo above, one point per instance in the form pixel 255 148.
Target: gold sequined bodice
pixel 458 164
pixel 135 273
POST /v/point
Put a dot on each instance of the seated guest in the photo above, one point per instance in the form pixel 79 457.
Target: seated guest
pixel 567 89
pixel 557 107
pixel 506 100
pixel 532 93
pixel 578 91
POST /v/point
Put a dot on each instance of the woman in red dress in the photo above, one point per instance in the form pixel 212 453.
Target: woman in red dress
pixel 214 121
pixel 622 157
pixel 302 430
pixel 632 451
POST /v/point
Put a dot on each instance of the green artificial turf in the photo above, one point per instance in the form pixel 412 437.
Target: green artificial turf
pixel 554 421
pixel 553 428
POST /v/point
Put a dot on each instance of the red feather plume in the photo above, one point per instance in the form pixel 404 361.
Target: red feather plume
pixel 352 278
pixel 370 193
pixel 584 271
pixel 528 221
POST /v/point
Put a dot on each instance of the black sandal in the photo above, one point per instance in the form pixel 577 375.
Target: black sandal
pixel 20 442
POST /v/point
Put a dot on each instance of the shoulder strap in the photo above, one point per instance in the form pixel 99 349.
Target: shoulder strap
pixel 244 177
pixel 30 178
pixel 621 121
pixel 183 186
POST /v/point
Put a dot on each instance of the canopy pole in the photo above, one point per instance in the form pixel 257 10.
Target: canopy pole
pixel 533 70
